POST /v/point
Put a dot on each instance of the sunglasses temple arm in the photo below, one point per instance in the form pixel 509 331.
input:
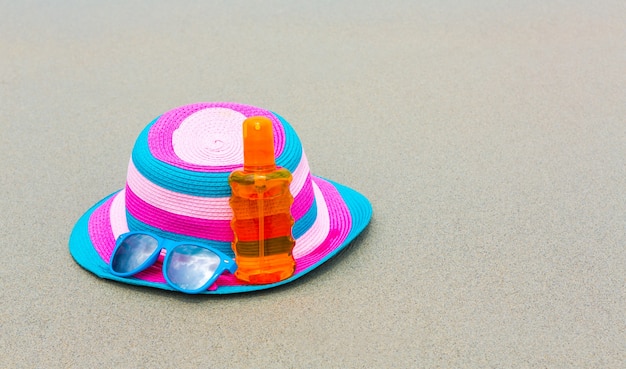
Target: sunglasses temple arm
pixel 231 266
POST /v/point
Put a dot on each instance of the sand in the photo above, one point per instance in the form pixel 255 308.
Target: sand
pixel 489 137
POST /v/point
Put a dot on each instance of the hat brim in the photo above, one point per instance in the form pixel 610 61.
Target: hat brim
pixel 349 213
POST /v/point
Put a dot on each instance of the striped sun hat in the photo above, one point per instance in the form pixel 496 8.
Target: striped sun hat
pixel 177 187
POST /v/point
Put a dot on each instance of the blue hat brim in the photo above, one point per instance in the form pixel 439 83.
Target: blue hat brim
pixel 85 254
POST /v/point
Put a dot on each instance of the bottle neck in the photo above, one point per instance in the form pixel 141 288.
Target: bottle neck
pixel 259 168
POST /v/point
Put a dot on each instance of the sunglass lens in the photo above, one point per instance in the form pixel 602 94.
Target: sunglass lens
pixel 190 267
pixel 133 252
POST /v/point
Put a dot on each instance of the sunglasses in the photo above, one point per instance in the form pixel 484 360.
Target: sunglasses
pixel 189 267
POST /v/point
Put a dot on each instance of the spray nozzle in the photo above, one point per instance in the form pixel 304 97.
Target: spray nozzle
pixel 258 145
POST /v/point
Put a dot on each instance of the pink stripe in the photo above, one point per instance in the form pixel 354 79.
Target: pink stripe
pixel 300 175
pixel 303 201
pixel 318 231
pixel 210 208
pixel 340 226
pixel 119 225
pixel 215 208
pixel 218 230
pixel 100 231
pixel 161 133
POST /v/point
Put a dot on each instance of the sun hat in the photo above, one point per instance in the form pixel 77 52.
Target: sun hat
pixel 177 188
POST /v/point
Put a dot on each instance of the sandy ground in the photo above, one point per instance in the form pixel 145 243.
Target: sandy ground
pixel 489 137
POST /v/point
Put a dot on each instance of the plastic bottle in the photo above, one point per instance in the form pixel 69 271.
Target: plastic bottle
pixel 261 203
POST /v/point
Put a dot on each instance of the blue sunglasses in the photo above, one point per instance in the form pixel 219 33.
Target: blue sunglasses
pixel 189 267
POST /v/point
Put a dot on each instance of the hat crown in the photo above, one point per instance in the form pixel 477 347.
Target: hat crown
pixel 177 180
pixel 177 187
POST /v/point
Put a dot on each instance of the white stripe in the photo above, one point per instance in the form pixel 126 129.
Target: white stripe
pixel 117 213
pixel 212 208
pixel 318 232
pixel 308 242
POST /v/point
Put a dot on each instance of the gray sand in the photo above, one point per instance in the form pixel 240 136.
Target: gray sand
pixel 490 138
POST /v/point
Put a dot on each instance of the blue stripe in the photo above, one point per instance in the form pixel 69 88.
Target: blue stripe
pixel 292 152
pixel 137 225
pixel 202 183
pixel 303 224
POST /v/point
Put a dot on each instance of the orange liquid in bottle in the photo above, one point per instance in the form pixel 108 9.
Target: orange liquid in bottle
pixel 261 203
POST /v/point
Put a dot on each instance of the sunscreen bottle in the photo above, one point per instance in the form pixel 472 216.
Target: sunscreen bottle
pixel 261 204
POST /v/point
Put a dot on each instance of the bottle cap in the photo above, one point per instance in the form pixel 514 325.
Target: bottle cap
pixel 258 145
